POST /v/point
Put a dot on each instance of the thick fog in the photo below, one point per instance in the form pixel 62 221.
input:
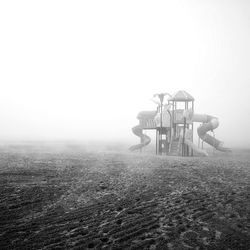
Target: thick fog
pixel 82 70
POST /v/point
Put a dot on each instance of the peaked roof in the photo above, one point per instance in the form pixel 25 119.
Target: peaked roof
pixel 182 96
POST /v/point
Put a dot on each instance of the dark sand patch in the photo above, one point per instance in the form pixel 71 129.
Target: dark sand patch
pixel 123 201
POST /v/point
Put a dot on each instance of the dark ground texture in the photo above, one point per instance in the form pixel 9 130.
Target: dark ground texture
pixel 123 201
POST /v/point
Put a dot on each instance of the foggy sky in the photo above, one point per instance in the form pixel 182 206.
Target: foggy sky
pixel 82 70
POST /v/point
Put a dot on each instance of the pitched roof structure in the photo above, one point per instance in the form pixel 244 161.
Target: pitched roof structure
pixel 181 96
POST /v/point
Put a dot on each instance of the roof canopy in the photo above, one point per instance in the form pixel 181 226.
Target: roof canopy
pixel 181 96
pixel 146 114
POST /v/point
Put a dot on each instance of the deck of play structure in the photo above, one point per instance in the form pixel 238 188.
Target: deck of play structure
pixel 174 125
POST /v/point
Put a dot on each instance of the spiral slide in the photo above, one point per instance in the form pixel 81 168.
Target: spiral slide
pixel 209 123
pixel 145 140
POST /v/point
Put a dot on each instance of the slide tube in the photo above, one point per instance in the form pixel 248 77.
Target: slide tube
pixel 209 123
pixel 145 140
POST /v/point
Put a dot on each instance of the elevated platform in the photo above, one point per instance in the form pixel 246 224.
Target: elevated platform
pixel 148 124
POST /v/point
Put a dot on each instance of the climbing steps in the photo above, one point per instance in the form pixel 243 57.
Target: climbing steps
pixel 174 147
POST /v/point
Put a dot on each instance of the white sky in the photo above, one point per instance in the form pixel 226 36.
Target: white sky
pixel 84 69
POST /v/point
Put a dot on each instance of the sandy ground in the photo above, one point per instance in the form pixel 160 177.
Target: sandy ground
pixel 84 200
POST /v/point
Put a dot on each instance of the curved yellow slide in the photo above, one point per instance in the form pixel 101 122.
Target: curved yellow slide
pixel 209 123
pixel 143 117
pixel 145 140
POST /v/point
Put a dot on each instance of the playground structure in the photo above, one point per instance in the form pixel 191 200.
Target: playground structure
pixel 174 125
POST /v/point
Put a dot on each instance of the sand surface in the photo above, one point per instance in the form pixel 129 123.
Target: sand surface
pixel 83 200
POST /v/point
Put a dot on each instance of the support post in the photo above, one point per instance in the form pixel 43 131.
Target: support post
pixel 156 141
pixel 183 139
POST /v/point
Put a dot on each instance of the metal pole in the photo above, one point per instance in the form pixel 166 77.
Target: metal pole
pixel 156 148
pixel 184 132
pixel 161 97
pixel 192 152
